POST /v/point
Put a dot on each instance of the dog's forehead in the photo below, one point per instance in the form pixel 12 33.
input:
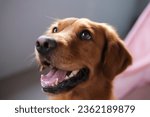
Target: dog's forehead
pixel 65 22
pixel 74 21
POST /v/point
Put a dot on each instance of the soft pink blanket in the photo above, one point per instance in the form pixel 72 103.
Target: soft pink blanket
pixel 138 43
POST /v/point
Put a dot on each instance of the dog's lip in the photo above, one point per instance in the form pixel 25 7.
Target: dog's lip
pixel 67 84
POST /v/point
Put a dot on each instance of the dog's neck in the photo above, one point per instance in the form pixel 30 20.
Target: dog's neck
pixel 100 89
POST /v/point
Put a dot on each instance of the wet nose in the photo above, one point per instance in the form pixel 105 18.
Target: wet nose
pixel 45 44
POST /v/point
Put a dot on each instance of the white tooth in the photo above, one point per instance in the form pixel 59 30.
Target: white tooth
pixel 56 82
pixel 42 68
pixel 42 75
pixel 75 72
pixel 71 75
pixel 66 77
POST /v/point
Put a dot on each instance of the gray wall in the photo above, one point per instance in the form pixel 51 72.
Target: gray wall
pixel 22 21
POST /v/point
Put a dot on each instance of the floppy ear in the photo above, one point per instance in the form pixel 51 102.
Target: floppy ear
pixel 115 57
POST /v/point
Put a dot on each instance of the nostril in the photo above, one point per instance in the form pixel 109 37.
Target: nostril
pixel 46 45
pixel 49 44
pixel 37 44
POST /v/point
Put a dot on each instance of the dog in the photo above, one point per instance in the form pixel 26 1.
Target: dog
pixel 83 57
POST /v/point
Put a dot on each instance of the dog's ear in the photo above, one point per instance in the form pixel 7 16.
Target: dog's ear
pixel 115 58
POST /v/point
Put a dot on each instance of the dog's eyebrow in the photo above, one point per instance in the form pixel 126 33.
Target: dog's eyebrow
pixel 54 23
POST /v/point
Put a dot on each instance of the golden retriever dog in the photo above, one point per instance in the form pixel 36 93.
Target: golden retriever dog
pixel 82 58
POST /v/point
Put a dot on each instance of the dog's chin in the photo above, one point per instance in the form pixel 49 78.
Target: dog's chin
pixel 58 81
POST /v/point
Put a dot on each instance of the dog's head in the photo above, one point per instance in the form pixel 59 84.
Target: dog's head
pixel 75 49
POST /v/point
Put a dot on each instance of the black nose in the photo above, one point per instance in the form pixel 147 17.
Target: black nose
pixel 45 44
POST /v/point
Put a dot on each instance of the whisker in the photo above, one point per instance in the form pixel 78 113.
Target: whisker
pixel 31 59
pixel 52 18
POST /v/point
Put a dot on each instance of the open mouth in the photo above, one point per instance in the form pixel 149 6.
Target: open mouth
pixel 57 80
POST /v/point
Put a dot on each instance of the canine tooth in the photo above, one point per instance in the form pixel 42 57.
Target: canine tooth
pixel 75 72
pixel 42 68
pixel 42 75
pixel 56 82
pixel 71 75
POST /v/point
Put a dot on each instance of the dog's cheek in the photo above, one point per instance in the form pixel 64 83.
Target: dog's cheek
pixel 90 55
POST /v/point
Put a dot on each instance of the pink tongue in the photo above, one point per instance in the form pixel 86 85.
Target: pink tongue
pixel 51 78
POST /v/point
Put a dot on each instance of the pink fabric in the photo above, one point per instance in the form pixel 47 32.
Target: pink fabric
pixel 138 43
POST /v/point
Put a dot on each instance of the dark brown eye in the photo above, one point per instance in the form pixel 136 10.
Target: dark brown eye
pixel 85 35
pixel 55 29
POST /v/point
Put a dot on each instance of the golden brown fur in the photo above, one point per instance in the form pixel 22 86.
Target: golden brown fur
pixel 105 56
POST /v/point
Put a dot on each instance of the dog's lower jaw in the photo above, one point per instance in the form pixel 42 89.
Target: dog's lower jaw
pixel 80 95
pixel 96 91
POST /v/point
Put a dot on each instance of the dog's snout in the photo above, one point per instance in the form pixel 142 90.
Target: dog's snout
pixel 45 44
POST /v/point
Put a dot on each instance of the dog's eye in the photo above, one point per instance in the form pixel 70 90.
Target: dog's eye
pixel 85 35
pixel 55 29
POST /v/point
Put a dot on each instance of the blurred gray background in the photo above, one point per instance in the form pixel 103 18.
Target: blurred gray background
pixel 22 21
